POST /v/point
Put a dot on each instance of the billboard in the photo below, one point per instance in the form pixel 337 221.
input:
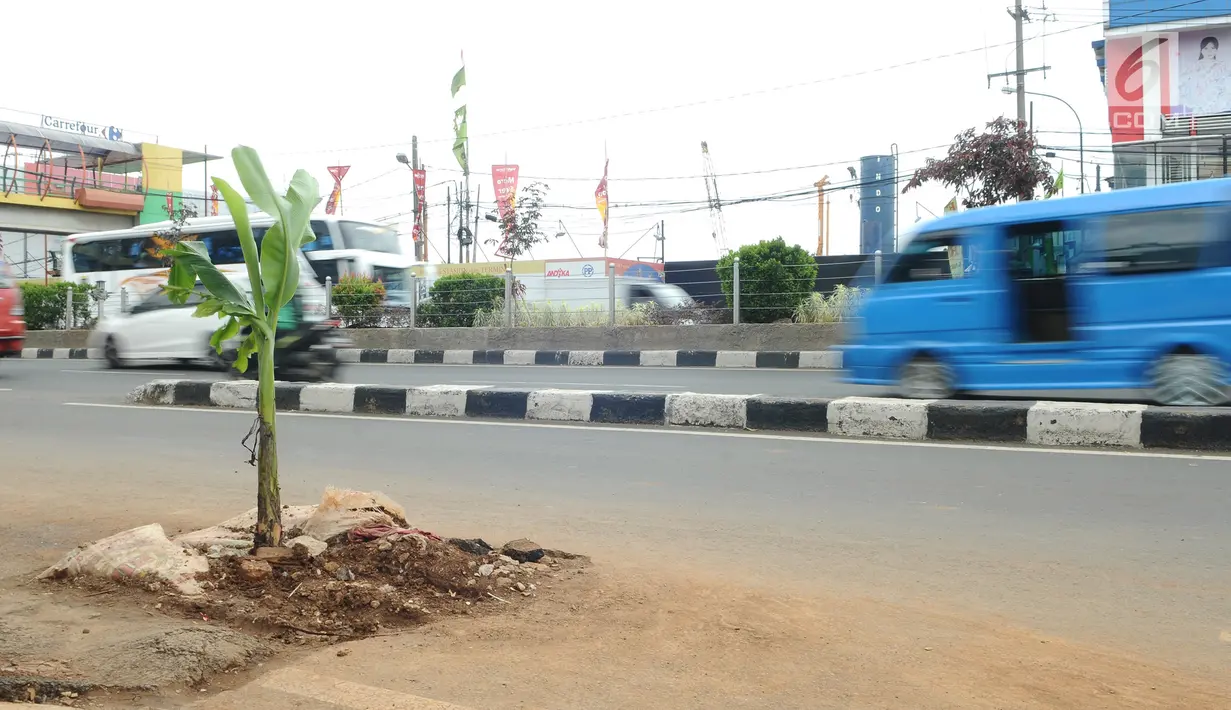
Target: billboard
pixel 1142 76
pixel 1166 73
pixel 1205 73
pixel 1133 13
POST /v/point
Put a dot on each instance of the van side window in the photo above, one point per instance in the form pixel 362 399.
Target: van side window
pixel 1044 249
pixel 928 257
pixel 1152 242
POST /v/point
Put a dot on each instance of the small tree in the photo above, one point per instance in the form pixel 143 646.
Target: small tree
pixel 519 229
pixel 774 279
pixel 164 239
pixel 992 167
pixel 273 272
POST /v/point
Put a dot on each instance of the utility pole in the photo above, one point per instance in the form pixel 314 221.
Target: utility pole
pixel 1020 16
pixel 448 224
pixel 414 191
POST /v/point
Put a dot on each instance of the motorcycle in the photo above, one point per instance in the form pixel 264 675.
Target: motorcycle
pixel 311 356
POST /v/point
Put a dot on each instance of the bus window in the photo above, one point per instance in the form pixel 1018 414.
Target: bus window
pixel 323 241
pixel 325 268
pixel 371 237
pixel 1151 242
pixel 107 255
pixel 928 257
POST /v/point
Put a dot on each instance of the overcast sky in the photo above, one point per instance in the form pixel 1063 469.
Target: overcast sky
pixel 784 92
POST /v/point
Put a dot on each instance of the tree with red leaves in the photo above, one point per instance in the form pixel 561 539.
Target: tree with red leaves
pixel 992 167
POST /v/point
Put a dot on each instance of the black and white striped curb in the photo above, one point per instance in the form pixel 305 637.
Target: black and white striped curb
pixel 61 354
pixel 1067 424
pixel 727 359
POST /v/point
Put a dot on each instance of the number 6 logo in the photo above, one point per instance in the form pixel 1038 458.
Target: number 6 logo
pixel 1135 65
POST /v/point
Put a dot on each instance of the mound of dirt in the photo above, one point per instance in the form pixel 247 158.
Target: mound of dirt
pixel 354 588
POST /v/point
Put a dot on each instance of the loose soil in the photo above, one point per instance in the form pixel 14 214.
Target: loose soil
pixel 352 590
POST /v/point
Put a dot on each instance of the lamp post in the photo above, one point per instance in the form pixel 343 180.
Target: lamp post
pixel 420 255
pixel 1081 133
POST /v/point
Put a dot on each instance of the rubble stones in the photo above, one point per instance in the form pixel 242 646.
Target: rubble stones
pixel 475 546
pixel 312 546
pixel 523 550
pixel 254 571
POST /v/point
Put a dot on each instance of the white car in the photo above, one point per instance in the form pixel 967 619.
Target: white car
pixel 155 329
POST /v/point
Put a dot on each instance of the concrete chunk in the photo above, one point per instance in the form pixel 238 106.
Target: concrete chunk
pixel 1084 424
pixel 327 398
pixel 437 401
pixel 716 410
pixel 878 417
pixel 239 394
pixel 559 405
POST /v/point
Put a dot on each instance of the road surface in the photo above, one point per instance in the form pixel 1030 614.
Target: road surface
pixel 1126 550
pixel 92 381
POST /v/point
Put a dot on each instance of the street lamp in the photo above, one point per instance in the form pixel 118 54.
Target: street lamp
pixel 1081 140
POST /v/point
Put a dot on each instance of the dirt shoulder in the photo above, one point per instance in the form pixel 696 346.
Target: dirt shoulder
pixel 620 637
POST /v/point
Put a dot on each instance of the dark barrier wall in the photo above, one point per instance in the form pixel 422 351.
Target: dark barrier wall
pixel 700 278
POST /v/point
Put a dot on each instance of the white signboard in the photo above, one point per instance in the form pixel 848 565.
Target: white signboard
pixel 578 269
pixel 85 129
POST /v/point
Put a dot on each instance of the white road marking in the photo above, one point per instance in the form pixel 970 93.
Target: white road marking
pixel 603 385
pixel 6 389
pixel 141 373
pixel 679 431
pixel 345 693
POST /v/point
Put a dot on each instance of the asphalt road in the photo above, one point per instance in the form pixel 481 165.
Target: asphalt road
pixel 1131 551
pixel 91 381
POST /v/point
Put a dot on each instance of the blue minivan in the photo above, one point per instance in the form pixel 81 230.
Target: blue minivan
pixel 1128 289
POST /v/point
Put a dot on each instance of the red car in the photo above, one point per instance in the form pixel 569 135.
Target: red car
pixel 12 315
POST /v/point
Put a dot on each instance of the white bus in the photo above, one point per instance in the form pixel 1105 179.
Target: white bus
pixel 128 259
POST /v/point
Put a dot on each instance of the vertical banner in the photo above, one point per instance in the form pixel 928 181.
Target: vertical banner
pixel 956 260
pixel 335 198
pixel 213 200
pixel 417 233
pixel 504 180
pixel 600 200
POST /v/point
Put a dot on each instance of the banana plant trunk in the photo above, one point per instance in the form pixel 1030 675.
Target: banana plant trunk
pixel 268 493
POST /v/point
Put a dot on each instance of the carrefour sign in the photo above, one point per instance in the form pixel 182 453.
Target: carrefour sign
pixel 86 129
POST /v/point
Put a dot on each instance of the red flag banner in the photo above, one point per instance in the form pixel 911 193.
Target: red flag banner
pixel 335 197
pixel 420 201
pixel 213 200
pixel 504 179
pixel 600 200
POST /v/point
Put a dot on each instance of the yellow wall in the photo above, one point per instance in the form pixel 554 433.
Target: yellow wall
pixel 163 169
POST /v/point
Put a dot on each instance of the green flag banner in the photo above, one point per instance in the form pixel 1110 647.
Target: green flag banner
pixel 459 80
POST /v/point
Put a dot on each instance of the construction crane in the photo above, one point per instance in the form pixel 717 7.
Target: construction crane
pixel 717 224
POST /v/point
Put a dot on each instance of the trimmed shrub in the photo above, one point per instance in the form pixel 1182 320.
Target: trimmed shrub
pixel 358 301
pixel 837 306
pixel 774 278
pixel 45 304
pixel 455 300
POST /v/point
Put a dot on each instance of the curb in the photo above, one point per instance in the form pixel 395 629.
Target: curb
pixel 724 359
pixel 1062 424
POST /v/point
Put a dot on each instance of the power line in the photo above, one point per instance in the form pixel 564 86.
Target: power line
pixel 723 99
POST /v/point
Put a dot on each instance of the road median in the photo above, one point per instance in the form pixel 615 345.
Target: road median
pixel 720 359
pixel 1058 424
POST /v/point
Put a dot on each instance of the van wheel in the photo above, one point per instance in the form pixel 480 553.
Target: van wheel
pixel 111 353
pixel 1188 380
pixel 926 378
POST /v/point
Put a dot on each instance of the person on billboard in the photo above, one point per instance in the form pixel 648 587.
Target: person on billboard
pixel 1205 83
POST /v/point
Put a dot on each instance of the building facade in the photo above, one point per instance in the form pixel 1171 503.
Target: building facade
pixel 1166 68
